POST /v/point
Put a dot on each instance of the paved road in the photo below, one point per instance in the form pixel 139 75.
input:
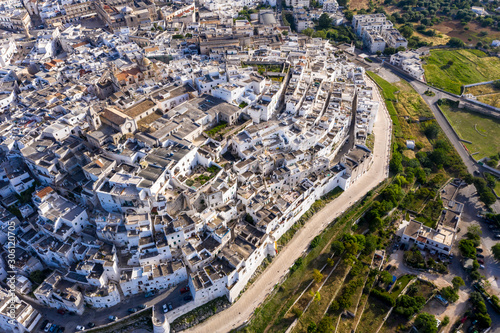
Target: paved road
pixel 239 312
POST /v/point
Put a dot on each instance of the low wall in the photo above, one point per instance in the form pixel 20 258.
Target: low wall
pixel 477 84
pixel 495 112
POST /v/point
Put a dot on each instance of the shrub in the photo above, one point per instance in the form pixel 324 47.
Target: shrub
pixel 384 297
pixel 450 294
pixel 315 242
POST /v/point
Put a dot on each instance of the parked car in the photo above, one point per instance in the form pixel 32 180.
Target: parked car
pixel 479 255
pixel 170 307
pixel 388 267
pixel 481 261
pixel 165 308
pixel 53 328
pixel 149 294
pixel 142 306
pixel 497 236
pixel 112 318
pixel 132 310
pixel 47 327
pixel 481 266
pixel 61 330
pixel 478 249
pixel 90 325
pixel 80 328
pixel 185 290
pixel 188 298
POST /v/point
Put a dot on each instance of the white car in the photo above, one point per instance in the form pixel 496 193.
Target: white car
pixel 80 328
pixel 47 327
pixel 481 266
pixel 165 308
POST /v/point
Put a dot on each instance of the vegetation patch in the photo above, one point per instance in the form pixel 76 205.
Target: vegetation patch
pixel 217 129
pixel 451 69
pixel 484 143
pixel 200 314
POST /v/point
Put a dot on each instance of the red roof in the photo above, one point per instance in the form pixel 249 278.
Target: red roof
pixel 43 192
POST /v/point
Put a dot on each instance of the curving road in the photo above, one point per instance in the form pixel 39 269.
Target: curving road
pixel 240 311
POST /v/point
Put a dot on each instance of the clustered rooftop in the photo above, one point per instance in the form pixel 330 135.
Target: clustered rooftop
pixel 133 160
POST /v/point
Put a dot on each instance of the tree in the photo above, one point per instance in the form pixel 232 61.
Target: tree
pixel 474 231
pixel 317 276
pixel 406 30
pixel 475 297
pixel 455 42
pixel 376 224
pixel 426 323
pixel 308 32
pixel 483 320
pixel 450 294
pixel 325 325
pixel 475 275
pixel 37 277
pixel 337 247
pixel 432 130
pixel 385 277
pixel 396 165
pixel 407 305
pixel 324 21
pixel 457 282
pixel 496 251
pixel 315 242
pixel 467 248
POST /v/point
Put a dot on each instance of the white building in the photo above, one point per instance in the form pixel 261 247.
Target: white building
pixel 25 316
pixel 410 62
pixel 439 240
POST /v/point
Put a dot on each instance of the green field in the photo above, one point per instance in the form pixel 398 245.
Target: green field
pixel 451 69
pixel 481 130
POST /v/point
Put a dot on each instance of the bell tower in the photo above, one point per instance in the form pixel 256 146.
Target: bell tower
pixel 93 119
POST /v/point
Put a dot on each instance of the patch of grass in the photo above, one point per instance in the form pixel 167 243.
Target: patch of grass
pixel 485 141
pixel 388 93
pixel 200 313
pixel 492 99
pixel 218 128
pixel 497 188
pixel 370 141
pixel 451 69
pixel 400 284
pixel 406 109
pixel 372 316
pixel 431 213
pixel 425 289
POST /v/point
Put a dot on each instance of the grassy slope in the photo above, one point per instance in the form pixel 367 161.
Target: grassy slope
pixel 469 66
pixel 404 105
pixel 464 121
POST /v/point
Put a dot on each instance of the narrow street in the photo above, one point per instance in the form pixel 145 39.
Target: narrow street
pixel 100 316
